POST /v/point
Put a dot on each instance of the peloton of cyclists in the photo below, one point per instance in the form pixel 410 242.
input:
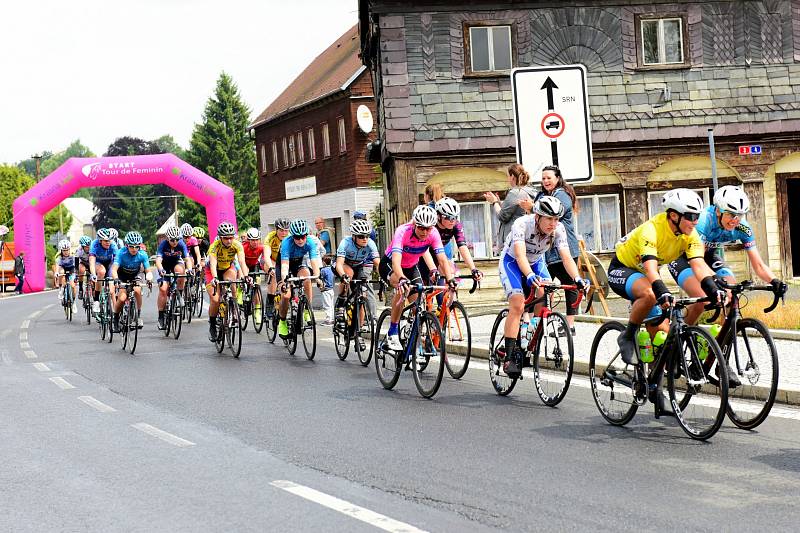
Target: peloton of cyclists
pixel 172 257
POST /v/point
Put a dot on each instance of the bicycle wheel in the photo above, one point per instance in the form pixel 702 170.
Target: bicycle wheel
pixel 198 300
pixel 553 359
pixel 308 328
pixel 258 309
pixel 177 314
pixel 271 319
pixel 457 330
pixel 610 377
pixel 87 308
pixel 219 342
pixel 133 325
pixel 291 318
pixel 123 326
pixel 364 331
pixel 387 362
pixel 109 319
pixel 101 319
pixel 755 358
pixel 428 359
pixel 168 316
pixel 188 302
pixel 246 307
pixel 234 329
pixel 698 398
pixel 70 298
pixel 502 384
pixel 341 339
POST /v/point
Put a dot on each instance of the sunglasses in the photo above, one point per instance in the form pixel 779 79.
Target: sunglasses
pixel 360 236
pixel 227 238
pixel 732 215
pixel 299 237
pixel 423 228
pixel 692 217
pixel 173 240
pixel 134 246
pixel 448 217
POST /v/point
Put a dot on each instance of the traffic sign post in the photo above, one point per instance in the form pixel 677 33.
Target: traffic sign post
pixel 551 112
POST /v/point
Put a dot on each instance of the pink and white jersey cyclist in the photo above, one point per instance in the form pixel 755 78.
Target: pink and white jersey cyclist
pixel 412 247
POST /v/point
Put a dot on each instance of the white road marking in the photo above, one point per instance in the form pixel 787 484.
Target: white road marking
pixel 97 404
pixel 63 383
pixel 25 324
pixel 35 314
pixel 41 367
pixel 23 336
pixel 5 333
pixel 163 435
pixel 24 345
pixel 48 306
pixel 354 511
pixel 30 354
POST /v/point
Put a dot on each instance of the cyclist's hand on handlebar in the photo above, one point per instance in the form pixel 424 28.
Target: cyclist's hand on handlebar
pixel 283 287
pixel 477 275
pixel 214 281
pixel 452 283
pixel 582 284
pixel 534 280
pixel 93 277
pixel 434 276
pixel 664 298
pixel 403 285
pixel 346 279
pixel 715 294
pixel 779 287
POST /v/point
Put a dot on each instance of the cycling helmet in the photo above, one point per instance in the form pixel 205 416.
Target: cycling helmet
pixel 360 227
pixel 282 223
pixel 103 234
pixel 186 230
pixel 64 244
pixel 199 232
pixel 549 206
pixel 226 229
pixel 85 241
pixel 253 234
pixel 172 232
pixel 359 215
pixel 682 201
pixel 298 228
pixel 424 216
pixel 113 233
pixel 732 199
pixel 134 238
pixel 448 207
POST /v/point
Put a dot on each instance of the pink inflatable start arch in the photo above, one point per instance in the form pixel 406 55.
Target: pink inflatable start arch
pixel 76 173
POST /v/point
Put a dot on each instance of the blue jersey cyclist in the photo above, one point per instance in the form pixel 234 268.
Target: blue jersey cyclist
pixel 293 249
pixel 354 257
pixel 128 265
pixel 172 257
pixel 101 254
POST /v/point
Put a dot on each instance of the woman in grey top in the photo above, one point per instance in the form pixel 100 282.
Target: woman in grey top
pixel 518 202
pixel 553 184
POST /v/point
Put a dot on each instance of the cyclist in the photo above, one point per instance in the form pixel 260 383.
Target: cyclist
pixel 192 244
pixel 172 257
pixel 254 257
pixel 221 255
pixel 64 263
pixel 398 266
pixel 522 267
pixel 202 242
pixel 362 215
pixel 101 254
pixel 128 264
pixel 273 243
pixel 352 256
pixel 115 238
pixel 451 230
pixel 293 251
pixel 633 272
pixel 82 253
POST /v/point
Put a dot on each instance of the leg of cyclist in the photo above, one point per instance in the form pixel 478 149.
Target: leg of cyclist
pixel 344 289
pixel 117 305
pixel 213 300
pixel 292 269
pixel 635 287
pixel 163 288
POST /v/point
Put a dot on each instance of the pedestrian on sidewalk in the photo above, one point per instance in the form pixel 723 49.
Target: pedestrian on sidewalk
pixel 19 271
pixel 326 274
pixel 517 202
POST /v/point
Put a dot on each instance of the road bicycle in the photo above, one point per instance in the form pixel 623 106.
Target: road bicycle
pixel 551 356
pixel 188 295
pixel 252 299
pixel 229 323
pixel 356 324
pixel 300 318
pixel 174 308
pixel 698 398
pixel 87 298
pixel 423 346
pixel 748 348
pixel 271 304
pixel 66 294
pixel 129 315
pixel 105 314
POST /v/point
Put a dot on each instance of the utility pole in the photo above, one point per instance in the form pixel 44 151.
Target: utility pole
pixel 38 159
pixel 175 209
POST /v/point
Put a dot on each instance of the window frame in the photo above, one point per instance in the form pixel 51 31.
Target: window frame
pixel 301 154
pixel 467 36
pixel 682 17
pixel 488 234
pixel 275 162
pixel 263 153
pixel 341 128
pixel 312 147
pixel 285 148
pixel 596 218
pixel 326 141
pixel 292 153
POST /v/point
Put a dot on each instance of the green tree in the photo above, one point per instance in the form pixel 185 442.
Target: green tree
pixel 221 147
pixel 76 149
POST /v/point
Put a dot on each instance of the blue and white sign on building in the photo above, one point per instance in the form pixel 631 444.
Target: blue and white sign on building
pixel 551 111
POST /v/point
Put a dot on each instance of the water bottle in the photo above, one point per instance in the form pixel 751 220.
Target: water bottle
pixel 702 344
pixel 645 347
pixel 658 341
pixel 715 329
pixel 523 335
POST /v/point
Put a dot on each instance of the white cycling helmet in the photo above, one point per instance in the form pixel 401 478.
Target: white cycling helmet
pixel 360 227
pixel 732 199
pixel 549 206
pixel 103 234
pixel 682 201
pixel 64 244
pixel 447 207
pixel 187 230
pixel 253 233
pixel 173 232
pixel 113 234
pixel 424 216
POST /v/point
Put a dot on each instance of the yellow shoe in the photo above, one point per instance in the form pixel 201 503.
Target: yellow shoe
pixel 239 297
pixel 283 329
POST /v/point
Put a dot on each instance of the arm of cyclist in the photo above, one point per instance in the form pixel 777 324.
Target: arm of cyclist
pixel 339 266
pixel 706 276
pixel 525 267
pixel 242 263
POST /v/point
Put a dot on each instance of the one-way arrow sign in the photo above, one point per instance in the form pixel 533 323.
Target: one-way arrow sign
pixel 549 85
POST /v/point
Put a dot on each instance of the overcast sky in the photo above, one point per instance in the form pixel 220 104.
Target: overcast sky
pixel 96 70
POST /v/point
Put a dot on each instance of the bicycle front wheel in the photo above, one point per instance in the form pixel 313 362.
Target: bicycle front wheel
pixel 457 330
pixel 258 309
pixel 219 341
pixel 364 333
pixel 553 360
pixel 308 328
pixel 233 330
pixel 177 315
pixel 755 359
pixel 387 362
pixel 271 319
pixel 428 359
pixel 341 340
pixel 109 320
pixel 611 379
pixel 502 384
pixel 133 325
pixel 291 318
pixel 123 326
pixel 698 397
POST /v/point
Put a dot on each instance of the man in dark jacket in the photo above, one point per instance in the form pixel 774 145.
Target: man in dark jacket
pixel 19 271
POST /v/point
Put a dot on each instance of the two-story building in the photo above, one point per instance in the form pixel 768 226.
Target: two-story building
pixel 660 74
pixel 310 149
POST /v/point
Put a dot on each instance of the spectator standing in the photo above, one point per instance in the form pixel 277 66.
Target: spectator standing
pixel 518 202
pixel 324 234
pixel 326 274
pixel 19 271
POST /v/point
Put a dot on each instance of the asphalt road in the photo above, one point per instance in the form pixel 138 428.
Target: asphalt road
pixel 180 438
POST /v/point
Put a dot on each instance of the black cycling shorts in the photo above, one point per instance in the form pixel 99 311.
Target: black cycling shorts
pixel 385 271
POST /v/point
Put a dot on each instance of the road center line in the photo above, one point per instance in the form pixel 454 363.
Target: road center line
pixel 97 404
pixel 25 324
pixel 23 336
pixel 35 314
pixel 63 383
pixel 41 367
pixel 354 511
pixel 30 354
pixel 24 345
pixel 163 435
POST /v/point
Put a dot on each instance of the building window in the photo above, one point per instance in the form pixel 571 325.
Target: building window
pixel 312 149
pixel 292 157
pixel 599 221
pixel 301 156
pixel 326 141
pixel 654 200
pixel 274 156
pixel 263 153
pixel 663 42
pixel 285 152
pixel 488 49
pixel 342 136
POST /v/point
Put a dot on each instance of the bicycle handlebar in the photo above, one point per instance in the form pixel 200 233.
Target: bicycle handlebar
pixel 475 283
pixel 747 285
pixel 552 287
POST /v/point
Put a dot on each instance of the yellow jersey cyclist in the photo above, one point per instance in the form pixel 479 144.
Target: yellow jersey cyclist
pixel 633 273
pixel 272 249
pixel 522 266
pixel 293 263
pixel 220 266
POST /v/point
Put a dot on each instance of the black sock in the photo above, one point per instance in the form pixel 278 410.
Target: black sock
pixel 631 330
pixel 510 344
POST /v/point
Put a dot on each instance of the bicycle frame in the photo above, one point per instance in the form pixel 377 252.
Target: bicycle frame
pixel 546 309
